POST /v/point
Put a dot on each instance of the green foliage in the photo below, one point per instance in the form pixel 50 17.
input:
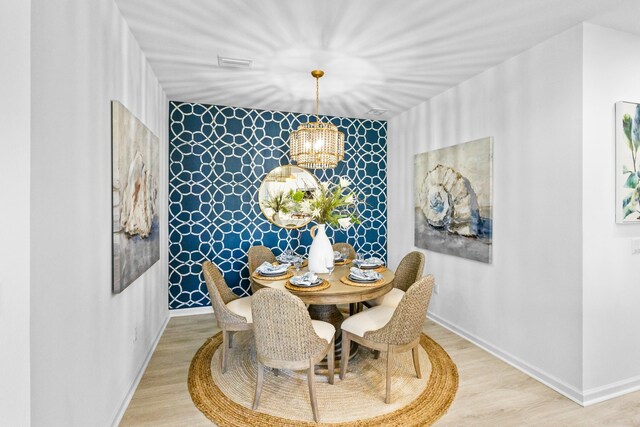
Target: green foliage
pixel 626 126
pixel 281 202
pixel 332 204
pixel 632 181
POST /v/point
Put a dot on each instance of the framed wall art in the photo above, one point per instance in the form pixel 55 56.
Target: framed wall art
pixel 453 200
pixel 135 159
pixel 627 125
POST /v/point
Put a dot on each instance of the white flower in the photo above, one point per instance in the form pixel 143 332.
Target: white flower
pixel 317 194
pixel 315 213
pixel 305 206
pixel 344 182
pixel 345 222
pixel 349 199
pixel 325 186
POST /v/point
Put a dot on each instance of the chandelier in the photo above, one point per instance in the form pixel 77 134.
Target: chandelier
pixel 317 145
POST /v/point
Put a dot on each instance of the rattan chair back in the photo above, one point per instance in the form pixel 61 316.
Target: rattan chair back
pixel 338 247
pixel 220 295
pixel 409 270
pixel 258 255
pixel 282 327
pixel 408 319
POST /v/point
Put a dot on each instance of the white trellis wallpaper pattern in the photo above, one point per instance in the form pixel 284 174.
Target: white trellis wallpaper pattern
pixel 218 157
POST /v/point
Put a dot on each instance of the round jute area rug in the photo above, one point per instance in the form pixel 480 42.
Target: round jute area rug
pixel 358 400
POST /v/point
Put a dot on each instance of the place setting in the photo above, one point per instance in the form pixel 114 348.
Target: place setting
pixel 307 282
pixel 341 257
pixel 292 258
pixel 362 277
pixel 371 263
pixel 268 271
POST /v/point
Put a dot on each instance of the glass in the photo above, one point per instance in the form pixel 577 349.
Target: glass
pixel 328 263
pixel 297 263
pixel 360 257
pixel 344 252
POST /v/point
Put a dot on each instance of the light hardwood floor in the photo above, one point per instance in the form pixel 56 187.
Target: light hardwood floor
pixel 491 393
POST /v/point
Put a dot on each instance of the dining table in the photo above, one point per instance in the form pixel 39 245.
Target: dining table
pixel 323 303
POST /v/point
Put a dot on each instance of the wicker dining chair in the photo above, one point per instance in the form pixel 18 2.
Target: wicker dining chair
pixel 287 338
pixel 338 247
pixel 409 271
pixel 354 306
pixel 391 329
pixel 258 255
pixel 232 312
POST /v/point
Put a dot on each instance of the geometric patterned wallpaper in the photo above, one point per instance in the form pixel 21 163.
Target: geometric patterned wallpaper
pixel 218 157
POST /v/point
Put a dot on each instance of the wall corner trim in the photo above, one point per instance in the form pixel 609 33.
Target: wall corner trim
pixel 136 381
pixel 550 381
pixel 609 391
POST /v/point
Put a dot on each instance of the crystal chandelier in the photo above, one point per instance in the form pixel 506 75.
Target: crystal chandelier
pixel 317 145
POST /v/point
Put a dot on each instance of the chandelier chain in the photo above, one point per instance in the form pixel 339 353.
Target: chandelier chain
pixel 317 98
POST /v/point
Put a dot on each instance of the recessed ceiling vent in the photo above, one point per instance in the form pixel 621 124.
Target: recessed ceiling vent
pixel 227 62
pixel 376 112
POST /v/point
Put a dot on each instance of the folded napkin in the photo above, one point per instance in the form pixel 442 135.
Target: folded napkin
pixel 371 262
pixel 307 279
pixel 337 256
pixel 287 258
pixel 268 268
pixel 359 274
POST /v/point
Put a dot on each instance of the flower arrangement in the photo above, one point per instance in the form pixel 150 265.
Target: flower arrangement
pixel 334 204
pixel 280 202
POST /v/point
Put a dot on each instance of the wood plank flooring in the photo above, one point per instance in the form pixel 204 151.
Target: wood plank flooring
pixel 491 393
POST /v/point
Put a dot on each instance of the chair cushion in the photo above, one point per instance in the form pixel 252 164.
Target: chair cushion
pixel 324 330
pixel 241 307
pixel 368 320
pixel 391 298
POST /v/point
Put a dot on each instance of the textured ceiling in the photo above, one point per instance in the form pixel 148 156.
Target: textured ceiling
pixel 388 54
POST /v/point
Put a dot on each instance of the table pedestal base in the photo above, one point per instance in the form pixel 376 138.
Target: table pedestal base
pixel 331 314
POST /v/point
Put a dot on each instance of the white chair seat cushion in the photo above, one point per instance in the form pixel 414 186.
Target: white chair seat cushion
pixel 391 298
pixel 324 330
pixel 241 307
pixel 368 320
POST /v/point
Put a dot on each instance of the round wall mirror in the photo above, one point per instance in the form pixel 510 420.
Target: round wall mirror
pixel 277 193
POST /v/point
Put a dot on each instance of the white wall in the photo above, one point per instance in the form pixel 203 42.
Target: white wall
pixel 611 275
pixel 15 113
pixel 527 305
pixel 85 355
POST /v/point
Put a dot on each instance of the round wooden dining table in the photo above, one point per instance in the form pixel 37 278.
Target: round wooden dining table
pixel 323 303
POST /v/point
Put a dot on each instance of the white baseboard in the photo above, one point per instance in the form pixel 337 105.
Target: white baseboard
pixel 190 311
pixel 136 381
pixel 610 391
pixel 535 373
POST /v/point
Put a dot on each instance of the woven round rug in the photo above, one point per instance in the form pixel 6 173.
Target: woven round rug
pixel 358 400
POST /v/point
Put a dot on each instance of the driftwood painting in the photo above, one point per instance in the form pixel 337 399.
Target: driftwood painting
pixel 136 242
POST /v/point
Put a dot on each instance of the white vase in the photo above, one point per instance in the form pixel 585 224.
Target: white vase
pixel 321 250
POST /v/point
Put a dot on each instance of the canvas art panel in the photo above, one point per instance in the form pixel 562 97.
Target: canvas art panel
pixel 627 125
pixel 453 200
pixel 135 161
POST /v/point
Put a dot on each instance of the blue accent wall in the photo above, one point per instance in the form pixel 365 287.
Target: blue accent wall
pixel 218 157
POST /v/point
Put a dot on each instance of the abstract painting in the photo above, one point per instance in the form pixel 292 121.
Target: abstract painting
pixel 627 163
pixel 453 200
pixel 136 240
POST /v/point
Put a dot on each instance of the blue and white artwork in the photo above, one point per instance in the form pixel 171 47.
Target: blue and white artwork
pixel 453 200
pixel 627 163
pixel 218 158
